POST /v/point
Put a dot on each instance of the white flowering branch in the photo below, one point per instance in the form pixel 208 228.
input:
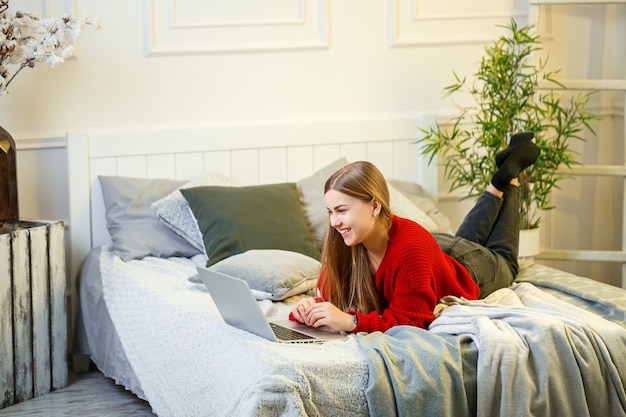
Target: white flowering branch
pixel 26 39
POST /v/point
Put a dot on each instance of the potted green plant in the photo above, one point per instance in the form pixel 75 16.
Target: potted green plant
pixel 511 92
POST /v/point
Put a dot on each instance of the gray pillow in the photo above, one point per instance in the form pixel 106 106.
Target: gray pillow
pixel 311 190
pixel 276 273
pixel 135 230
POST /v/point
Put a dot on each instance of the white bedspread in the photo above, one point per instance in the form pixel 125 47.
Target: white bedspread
pixel 190 363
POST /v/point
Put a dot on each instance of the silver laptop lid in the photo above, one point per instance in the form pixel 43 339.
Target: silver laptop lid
pixel 240 309
pixel 236 303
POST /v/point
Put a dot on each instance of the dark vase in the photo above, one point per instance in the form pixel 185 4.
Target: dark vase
pixel 9 214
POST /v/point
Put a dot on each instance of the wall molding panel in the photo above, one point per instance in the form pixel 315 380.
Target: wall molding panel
pixel 181 27
pixel 544 21
pixel 58 7
pixel 422 23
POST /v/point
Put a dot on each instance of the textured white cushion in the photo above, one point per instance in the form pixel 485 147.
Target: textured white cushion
pixel 173 210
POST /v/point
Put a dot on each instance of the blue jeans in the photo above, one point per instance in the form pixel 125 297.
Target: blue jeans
pixel 487 241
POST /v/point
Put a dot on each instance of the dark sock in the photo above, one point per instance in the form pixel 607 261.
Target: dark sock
pixel 520 157
pixel 516 139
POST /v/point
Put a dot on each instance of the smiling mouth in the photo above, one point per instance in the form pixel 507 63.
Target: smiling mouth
pixel 343 232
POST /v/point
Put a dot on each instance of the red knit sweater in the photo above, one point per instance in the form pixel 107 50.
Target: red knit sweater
pixel 412 277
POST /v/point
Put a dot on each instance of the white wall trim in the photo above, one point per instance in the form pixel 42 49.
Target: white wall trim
pixel 40 143
pixel 543 18
pixel 402 35
pixel 175 23
pixel 167 36
pixel 69 6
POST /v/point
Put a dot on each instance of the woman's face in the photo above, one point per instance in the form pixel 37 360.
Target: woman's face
pixel 353 218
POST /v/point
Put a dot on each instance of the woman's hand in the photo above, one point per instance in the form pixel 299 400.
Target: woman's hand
pixel 301 307
pixel 326 314
pixel 316 314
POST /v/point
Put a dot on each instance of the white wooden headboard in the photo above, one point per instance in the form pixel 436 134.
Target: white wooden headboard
pixel 253 153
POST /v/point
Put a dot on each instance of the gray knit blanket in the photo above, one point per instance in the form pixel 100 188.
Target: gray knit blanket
pixel 536 355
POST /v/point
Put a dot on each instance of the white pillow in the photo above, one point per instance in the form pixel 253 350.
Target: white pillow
pixel 404 207
pixel 415 193
pixel 174 211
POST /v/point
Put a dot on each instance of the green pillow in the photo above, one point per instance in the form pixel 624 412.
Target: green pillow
pixel 233 220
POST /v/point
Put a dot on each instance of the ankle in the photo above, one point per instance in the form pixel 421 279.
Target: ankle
pixel 491 189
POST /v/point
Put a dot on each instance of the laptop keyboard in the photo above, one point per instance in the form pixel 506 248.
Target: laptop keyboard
pixel 283 333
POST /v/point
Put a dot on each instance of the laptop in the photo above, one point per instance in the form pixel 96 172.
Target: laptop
pixel 240 309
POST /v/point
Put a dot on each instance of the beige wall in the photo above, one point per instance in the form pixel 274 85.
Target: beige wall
pixel 245 61
pixel 235 62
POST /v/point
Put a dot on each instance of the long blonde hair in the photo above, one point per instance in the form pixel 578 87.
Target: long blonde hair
pixel 349 276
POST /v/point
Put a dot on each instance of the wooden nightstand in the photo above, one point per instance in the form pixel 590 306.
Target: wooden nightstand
pixel 33 312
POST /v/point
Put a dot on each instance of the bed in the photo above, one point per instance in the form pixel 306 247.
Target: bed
pixel 552 344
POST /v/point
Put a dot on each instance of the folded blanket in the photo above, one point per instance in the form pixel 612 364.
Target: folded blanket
pixel 536 356
pixel 415 372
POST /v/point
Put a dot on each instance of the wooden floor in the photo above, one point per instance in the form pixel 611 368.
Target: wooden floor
pixel 89 394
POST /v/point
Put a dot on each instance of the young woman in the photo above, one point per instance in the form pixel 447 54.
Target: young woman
pixel 381 270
